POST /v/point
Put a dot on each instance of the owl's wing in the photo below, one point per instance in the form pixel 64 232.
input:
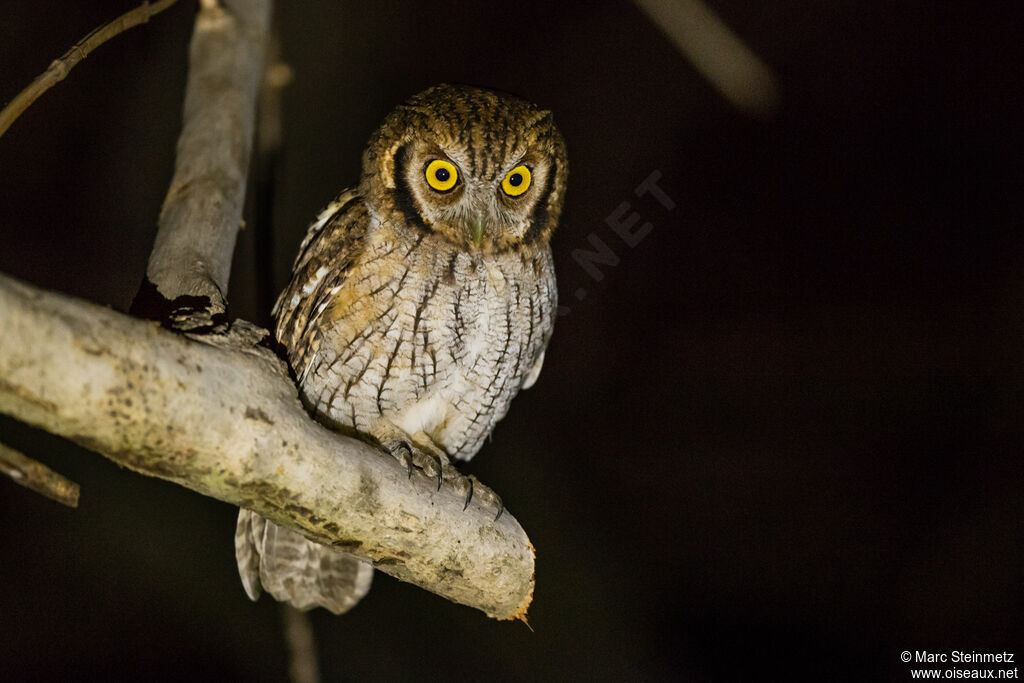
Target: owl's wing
pixel 534 373
pixel 249 528
pixel 280 561
pixel 325 258
pixel 296 570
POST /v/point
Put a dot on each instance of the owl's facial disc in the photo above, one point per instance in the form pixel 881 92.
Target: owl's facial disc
pixel 478 206
pixel 482 171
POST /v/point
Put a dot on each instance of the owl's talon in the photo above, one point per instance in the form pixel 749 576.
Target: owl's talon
pixel 402 452
pixel 501 506
pixel 485 495
pixel 469 495
pixel 412 457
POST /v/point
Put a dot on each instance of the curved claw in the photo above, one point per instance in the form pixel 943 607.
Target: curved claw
pixel 469 496
pixel 440 474
pixel 501 509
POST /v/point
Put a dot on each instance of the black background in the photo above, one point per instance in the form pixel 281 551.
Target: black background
pixel 781 438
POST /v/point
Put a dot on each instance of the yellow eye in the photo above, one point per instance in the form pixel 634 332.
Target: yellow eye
pixel 442 175
pixel 517 181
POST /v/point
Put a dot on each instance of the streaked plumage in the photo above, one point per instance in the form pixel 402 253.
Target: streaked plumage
pixel 415 314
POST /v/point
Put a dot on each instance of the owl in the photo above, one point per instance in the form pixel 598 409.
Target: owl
pixel 420 303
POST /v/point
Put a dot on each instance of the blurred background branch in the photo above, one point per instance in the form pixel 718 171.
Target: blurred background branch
pixel 717 53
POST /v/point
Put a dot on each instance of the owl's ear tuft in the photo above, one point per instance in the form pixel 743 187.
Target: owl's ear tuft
pixel 541 118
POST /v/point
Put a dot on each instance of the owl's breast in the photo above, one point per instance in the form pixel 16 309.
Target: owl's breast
pixel 434 339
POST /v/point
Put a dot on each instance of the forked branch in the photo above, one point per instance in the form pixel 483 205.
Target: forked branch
pixel 217 412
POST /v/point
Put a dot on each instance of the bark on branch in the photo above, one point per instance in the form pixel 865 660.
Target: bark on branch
pixel 189 267
pixel 221 416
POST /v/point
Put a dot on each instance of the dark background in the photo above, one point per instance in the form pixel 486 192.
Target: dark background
pixel 781 438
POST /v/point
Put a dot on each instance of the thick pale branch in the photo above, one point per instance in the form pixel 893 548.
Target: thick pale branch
pixel 225 420
pixel 190 263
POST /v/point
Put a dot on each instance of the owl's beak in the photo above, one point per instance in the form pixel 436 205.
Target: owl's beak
pixel 476 229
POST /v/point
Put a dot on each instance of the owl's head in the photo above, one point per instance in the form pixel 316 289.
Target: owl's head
pixel 482 170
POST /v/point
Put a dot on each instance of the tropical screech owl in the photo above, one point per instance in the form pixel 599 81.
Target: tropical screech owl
pixel 420 303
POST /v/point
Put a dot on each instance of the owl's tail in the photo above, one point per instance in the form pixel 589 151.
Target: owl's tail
pixel 293 569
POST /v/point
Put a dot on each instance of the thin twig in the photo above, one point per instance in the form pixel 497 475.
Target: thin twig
pixel 59 68
pixel 38 477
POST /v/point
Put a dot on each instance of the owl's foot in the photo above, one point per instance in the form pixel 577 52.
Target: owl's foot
pixel 473 488
pixel 418 452
pixel 412 457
